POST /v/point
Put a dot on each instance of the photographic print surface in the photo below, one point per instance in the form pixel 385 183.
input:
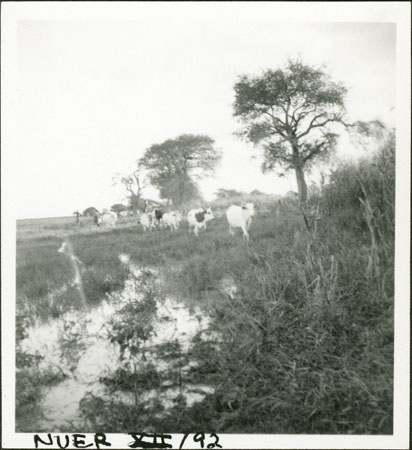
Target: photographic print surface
pixel 203 203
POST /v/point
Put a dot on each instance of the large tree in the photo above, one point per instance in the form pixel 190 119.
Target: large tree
pixel 290 112
pixel 90 211
pixel 179 188
pixel 175 165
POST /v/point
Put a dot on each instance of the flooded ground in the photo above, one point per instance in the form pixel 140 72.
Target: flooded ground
pixel 87 346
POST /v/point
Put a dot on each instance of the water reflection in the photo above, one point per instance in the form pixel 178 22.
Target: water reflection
pixel 81 345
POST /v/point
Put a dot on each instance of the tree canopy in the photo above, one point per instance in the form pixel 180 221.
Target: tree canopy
pixel 90 211
pixel 118 208
pixel 175 165
pixel 289 113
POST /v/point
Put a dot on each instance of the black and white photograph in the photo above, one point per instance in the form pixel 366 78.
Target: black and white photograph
pixel 205 224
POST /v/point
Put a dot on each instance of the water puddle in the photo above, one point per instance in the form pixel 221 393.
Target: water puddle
pixel 83 345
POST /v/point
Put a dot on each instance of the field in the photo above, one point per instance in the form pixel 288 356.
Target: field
pixel 59 226
pixel 299 319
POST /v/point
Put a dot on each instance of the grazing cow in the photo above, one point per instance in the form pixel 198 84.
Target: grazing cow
pixel 157 215
pixel 240 217
pixel 146 221
pixel 107 218
pixel 197 219
pixel 172 219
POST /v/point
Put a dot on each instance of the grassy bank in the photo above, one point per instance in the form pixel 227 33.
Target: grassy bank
pixel 307 341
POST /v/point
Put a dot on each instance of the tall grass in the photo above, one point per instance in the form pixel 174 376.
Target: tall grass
pixel 309 339
pixel 306 339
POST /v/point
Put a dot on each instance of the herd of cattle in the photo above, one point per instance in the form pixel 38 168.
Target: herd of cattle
pixel 237 217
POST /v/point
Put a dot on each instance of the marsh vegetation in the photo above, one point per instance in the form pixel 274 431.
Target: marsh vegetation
pixel 291 332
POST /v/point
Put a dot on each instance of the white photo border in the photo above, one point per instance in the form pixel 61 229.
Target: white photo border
pixel 297 12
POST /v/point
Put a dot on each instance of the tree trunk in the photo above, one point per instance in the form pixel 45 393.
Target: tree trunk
pixel 302 189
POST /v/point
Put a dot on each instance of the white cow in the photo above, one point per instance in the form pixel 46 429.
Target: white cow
pixel 240 217
pixel 107 218
pixel 146 221
pixel 124 214
pixel 172 219
pixel 197 219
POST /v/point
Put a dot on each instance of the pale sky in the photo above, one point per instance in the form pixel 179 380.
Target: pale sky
pixel 92 95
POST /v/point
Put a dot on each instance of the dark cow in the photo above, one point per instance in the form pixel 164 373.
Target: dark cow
pixel 157 215
pixel 200 216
